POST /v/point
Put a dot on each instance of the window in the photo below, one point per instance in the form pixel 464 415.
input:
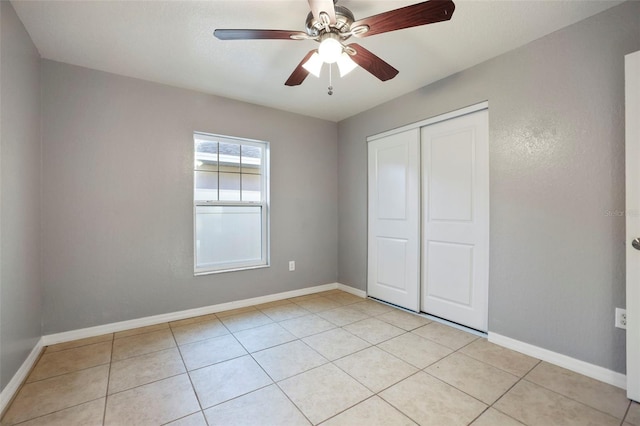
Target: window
pixel 231 203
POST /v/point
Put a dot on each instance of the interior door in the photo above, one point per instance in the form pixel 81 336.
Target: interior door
pixel 632 154
pixel 394 219
pixel 455 219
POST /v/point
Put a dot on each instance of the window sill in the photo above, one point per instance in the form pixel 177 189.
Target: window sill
pixel 221 271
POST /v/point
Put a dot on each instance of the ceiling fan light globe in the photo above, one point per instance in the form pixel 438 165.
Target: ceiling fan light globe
pixel 330 50
pixel 313 65
pixel 346 64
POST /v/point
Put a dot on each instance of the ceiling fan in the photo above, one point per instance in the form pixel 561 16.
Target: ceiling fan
pixel 330 25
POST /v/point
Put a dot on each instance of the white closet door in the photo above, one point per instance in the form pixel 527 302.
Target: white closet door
pixel 455 219
pixel 394 219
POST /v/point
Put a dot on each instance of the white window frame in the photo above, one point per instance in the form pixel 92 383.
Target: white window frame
pixel 264 204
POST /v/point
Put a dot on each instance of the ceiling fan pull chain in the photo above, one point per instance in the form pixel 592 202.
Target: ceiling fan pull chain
pixel 330 88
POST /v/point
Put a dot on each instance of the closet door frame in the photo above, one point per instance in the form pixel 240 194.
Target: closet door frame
pixel 415 126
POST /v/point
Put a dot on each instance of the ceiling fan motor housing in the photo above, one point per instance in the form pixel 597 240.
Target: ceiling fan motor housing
pixel 344 19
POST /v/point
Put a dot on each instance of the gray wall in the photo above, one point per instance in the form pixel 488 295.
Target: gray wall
pixel 117 198
pixel 20 286
pixel 556 122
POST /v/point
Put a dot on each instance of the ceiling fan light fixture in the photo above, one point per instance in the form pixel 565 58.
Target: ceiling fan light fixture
pixel 330 49
pixel 346 64
pixel 314 64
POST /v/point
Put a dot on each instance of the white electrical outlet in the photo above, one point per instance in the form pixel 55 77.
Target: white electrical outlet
pixel 621 318
pixel 292 265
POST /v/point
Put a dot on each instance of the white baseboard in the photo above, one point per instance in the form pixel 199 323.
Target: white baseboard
pixel 82 333
pixel 16 381
pixel 354 291
pixel 590 370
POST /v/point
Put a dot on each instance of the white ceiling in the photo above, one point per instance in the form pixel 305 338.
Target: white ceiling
pixel 171 42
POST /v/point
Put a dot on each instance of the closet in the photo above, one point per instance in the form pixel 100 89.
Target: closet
pixel 428 216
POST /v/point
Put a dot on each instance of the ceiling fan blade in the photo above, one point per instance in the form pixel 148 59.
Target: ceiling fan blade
pixel 299 74
pixel 372 63
pixel 427 12
pixel 327 6
pixel 258 34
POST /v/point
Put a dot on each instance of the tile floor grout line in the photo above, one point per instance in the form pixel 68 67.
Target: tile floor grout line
pixel 458 389
pixel 193 388
pixel 65 373
pixel 256 361
pixel 505 393
pixel 524 378
pixel 626 412
pixel 290 400
pixel 145 353
pixel 382 390
pixel 313 334
pixel 305 371
pixel 140 334
pixel 406 414
pixel 276 383
pixel 477 360
pixel 470 343
pixel 293 375
pixel 232 333
pixel 106 393
pixel 373 394
pixel 249 328
pixel 184 364
pixel 147 383
pixel 273 382
pixel 217 362
pixel 192 324
pixel 571 398
pixel 442 344
pixel 499 367
pixel 348 408
pixel 506 414
pixel 192 320
pixel 531 369
pixel 53 412
pixel 237 397
pixel 419 368
pixel 302 372
pixel 502 394
pixel 45 352
pixel 183 417
pixel 479 415
pixel 396 408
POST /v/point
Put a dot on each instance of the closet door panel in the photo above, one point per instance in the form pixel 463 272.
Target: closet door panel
pixel 455 219
pixel 394 219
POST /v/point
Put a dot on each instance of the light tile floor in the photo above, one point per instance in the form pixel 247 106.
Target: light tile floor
pixel 329 358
